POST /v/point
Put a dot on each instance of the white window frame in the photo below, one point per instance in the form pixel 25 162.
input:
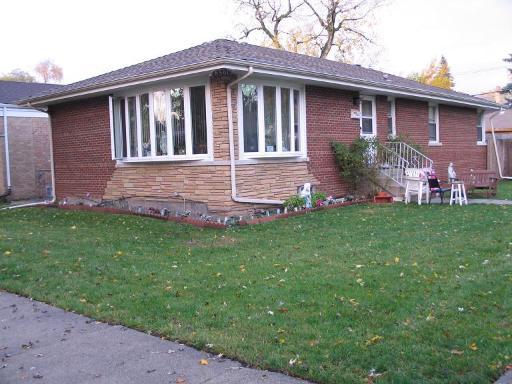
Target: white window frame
pixel 392 100
pixel 436 112
pixel 374 116
pixel 482 128
pixel 188 123
pixel 261 121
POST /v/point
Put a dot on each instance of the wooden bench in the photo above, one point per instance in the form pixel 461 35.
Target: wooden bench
pixel 480 180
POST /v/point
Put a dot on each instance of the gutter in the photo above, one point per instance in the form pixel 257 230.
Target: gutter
pixel 7 157
pixel 234 195
pixel 52 167
pixel 495 146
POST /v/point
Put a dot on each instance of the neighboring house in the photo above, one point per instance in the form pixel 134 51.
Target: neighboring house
pixel 163 129
pixel 502 123
pixel 28 143
pixel 495 95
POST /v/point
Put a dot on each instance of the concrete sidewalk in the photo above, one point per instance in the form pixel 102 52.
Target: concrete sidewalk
pixel 43 344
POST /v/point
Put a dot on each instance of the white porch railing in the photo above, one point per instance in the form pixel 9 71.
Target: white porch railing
pixel 396 156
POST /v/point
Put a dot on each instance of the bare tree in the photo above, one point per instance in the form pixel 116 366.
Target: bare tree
pixel 49 71
pixel 269 16
pixel 323 28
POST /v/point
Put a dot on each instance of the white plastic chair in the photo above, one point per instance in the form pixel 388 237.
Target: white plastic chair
pixel 416 184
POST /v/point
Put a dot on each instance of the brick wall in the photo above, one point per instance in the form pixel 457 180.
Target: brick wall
pixel 83 158
pixel 328 119
pixel 81 147
pixel 457 133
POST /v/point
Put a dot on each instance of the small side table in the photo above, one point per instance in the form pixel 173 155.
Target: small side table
pixel 458 193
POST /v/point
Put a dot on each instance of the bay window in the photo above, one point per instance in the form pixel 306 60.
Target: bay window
pixel 164 124
pixel 270 121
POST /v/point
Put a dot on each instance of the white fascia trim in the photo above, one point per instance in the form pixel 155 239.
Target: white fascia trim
pixel 266 70
pixel 365 86
pixel 16 111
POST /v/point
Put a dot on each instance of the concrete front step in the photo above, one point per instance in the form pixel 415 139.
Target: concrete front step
pixel 390 186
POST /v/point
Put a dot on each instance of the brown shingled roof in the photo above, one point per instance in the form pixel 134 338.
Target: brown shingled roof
pixel 228 52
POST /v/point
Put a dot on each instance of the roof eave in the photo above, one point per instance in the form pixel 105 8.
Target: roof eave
pixel 261 68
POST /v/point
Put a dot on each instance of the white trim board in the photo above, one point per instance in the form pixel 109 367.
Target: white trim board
pixel 14 111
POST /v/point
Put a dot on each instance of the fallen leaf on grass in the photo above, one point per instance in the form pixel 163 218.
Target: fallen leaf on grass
pixel 374 340
pixel 456 352
pixel 353 302
pixel 7 253
pixel 203 362
pixel 473 346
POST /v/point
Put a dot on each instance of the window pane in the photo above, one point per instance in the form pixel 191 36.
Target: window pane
pixel 132 117
pixel 431 114
pixel 198 113
pixel 432 132
pixel 296 121
pixel 366 106
pixel 285 118
pixel 269 108
pixel 390 117
pixel 367 125
pixel 119 128
pixel 250 117
pixel 160 123
pixel 178 121
pixel 144 116
pixel 479 126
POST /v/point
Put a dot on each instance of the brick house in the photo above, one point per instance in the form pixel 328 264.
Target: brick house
pixel 228 126
pixel 24 143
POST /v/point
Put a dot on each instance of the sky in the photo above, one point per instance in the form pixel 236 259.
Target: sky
pixel 97 36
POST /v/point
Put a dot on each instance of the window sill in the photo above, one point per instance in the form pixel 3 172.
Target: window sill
pixel 164 159
pixel 481 143
pixel 434 144
pixel 270 155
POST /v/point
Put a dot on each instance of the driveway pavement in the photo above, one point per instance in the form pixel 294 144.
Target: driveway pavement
pixel 43 344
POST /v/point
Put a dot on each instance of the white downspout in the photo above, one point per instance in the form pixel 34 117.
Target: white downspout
pixel 495 146
pixel 234 195
pixel 7 158
pixel 52 168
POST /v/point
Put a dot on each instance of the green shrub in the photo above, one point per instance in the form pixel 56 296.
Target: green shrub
pixel 356 161
pixel 317 196
pixel 294 202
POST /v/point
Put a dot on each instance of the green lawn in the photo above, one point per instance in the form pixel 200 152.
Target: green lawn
pixel 505 190
pixel 421 294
